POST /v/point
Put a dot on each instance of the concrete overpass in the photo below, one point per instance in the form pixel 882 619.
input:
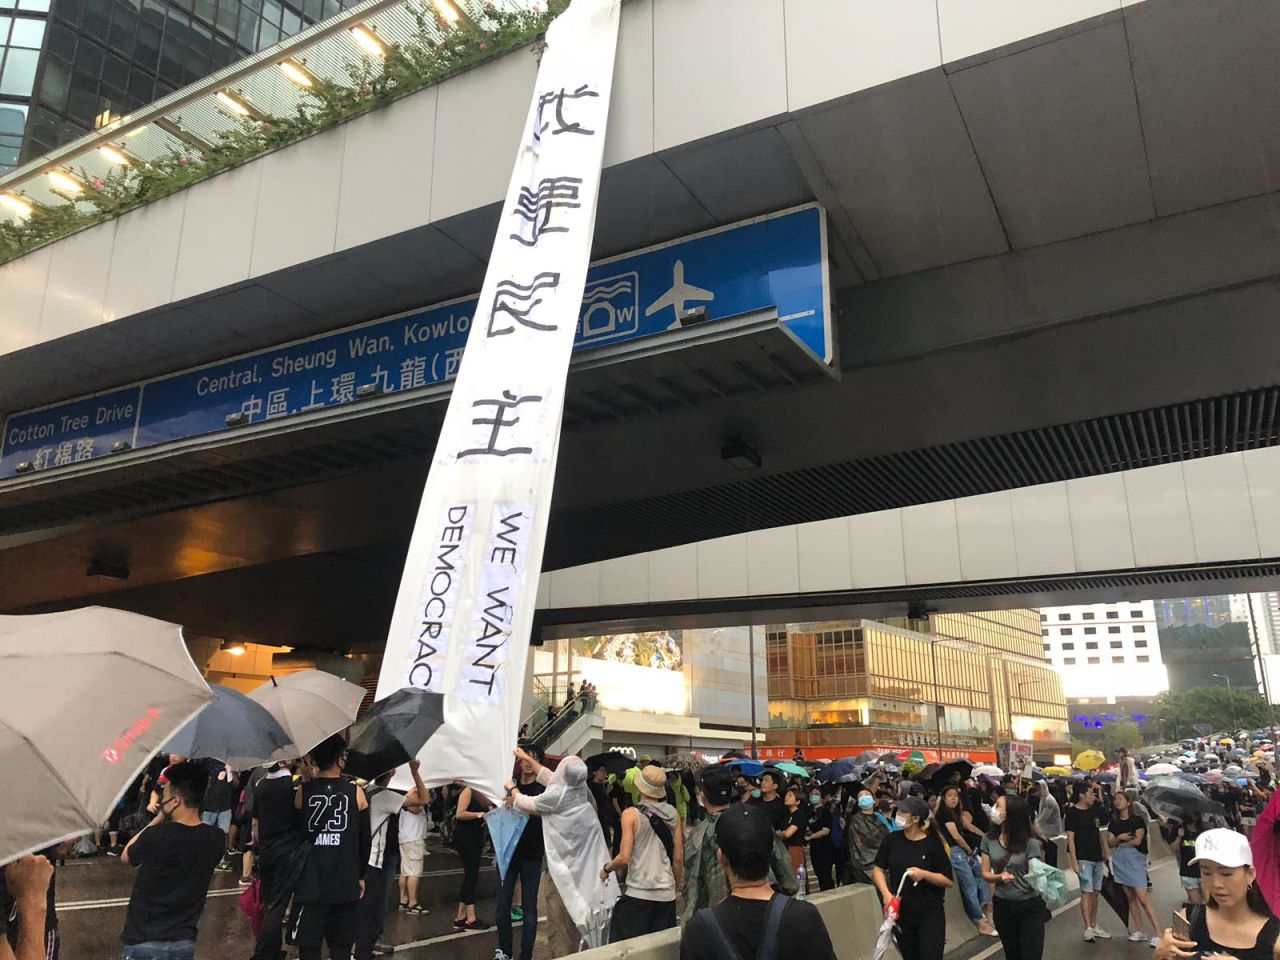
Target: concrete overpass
pixel 1054 251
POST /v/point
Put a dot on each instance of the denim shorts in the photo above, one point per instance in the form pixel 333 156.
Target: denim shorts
pixel 1190 883
pixel 1091 874
pixel 155 950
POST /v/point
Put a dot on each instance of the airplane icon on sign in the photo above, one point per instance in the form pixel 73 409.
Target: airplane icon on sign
pixel 678 296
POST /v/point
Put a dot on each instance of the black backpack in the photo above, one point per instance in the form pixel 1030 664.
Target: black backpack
pixel 768 949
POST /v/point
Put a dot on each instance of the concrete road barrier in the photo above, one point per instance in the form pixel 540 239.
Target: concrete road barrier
pixel 852 915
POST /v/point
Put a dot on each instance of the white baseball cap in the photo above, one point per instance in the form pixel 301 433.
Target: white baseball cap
pixel 1224 847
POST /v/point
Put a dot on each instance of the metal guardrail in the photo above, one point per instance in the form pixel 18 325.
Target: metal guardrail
pixel 272 83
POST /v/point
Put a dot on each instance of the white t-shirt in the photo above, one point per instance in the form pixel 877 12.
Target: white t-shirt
pixel 382 805
pixel 413 825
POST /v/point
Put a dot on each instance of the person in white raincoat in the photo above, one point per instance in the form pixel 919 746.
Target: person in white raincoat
pixel 574 844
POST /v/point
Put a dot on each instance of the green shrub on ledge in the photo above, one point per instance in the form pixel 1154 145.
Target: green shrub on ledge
pixel 371 82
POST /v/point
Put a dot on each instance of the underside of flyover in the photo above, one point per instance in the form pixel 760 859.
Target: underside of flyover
pixel 1050 262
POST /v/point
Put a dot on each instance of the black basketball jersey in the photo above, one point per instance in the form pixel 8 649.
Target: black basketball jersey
pixel 331 821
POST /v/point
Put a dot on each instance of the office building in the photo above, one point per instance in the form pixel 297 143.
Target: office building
pixel 69 68
pixel 955 685
pixel 1105 650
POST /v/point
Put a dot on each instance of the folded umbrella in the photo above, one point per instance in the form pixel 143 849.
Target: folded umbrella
pixel 506 825
pixel 86 699
pixel 311 706
pixel 393 731
pixel 232 728
pixel 892 910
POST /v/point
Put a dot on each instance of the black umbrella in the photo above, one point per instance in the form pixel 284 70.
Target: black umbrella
pixel 950 768
pixel 1173 802
pixel 866 756
pixel 393 731
pixel 613 762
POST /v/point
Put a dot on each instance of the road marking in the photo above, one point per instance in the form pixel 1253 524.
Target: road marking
pixel 457 935
pixel 124 901
pixel 996 947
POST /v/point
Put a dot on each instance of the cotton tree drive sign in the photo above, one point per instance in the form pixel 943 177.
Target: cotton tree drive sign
pixel 465 606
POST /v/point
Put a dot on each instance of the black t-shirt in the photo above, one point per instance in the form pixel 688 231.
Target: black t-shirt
pixel 799 820
pixel 775 810
pixel 332 820
pixel 1084 824
pixel 175 863
pixel 801 932
pixel 1187 852
pixel 820 819
pixel 529 846
pixel 604 808
pixel 273 808
pixel 1130 826
pixel 897 855
pixel 220 795
pixel 1262 949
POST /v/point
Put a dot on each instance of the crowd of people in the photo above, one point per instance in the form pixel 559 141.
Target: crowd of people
pixel 713 849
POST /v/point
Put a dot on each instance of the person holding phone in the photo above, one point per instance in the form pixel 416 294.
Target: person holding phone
pixel 1234 921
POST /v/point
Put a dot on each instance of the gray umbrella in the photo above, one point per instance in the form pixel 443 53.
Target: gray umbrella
pixel 234 729
pixel 311 705
pixel 86 699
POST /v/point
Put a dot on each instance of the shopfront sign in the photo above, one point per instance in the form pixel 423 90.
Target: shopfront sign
pixel 775 261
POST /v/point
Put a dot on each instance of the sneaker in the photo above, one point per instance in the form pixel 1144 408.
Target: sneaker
pixel 460 923
pixel 418 910
pixel 113 852
pixel 1088 934
pixel 476 924
pixel 1101 934
pixel 246 881
pixel 381 949
pixel 1155 943
pixel 517 914
pixel 499 955
pixel 1137 937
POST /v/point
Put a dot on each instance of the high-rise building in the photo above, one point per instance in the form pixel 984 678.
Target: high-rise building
pixel 1210 612
pixel 1105 651
pixel 73 65
pixel 955 685
pixel 1265 618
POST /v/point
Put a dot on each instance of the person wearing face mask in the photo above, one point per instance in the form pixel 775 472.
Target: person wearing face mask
pixel 174 855
pixel 818 835
pixel 1234 920
pixel 915 854
pixel 864 831
pixel 1007 852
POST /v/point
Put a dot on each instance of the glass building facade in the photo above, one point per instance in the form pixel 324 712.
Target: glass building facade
pixel 958 685
pixel 68 65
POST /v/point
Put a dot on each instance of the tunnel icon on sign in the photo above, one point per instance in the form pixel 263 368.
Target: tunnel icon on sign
pixel 610 308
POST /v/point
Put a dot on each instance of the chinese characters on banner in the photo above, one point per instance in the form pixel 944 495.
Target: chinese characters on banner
pixel 465 606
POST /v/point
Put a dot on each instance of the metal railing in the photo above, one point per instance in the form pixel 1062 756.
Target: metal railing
pixel 272 83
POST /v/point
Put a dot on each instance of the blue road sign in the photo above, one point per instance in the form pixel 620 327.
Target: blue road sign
pixel 70 432
pixel 776 261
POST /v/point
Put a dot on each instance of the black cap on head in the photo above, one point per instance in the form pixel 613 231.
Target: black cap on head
pixel 744 835
pixel 914 807
pixel 717 785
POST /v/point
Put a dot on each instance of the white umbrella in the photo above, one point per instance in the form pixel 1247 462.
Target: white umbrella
pixel 86 699
pixel 311 705
pixel 1160 769
pixel 987 770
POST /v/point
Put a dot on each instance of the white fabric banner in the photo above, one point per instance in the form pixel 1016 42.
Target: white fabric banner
pixel 465 607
